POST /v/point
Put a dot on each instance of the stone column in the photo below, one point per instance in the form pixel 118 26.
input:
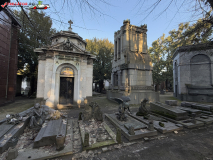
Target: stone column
pixel 115 49
pixel 48 77
pixel 119 79
pixel 211 73
pixel 51 100
pixel 112 79
pixel 124 78
pixel 118 42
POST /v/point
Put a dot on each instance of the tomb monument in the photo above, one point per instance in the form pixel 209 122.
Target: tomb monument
pixel 65 70
pixel 132 67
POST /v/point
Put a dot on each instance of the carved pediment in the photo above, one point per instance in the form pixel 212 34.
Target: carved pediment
pixel 67 47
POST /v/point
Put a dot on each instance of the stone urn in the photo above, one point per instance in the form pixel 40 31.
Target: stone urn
pixel 60 139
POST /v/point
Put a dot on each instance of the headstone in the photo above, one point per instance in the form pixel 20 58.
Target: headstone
pixel 151 126
pixel 87 113
pixel 118 135
pixel 86 140
pixel 80 116
pixel 131 130
pixel 98 115
pixel 92 111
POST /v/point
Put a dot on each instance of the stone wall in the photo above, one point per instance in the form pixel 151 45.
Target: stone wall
pixel 194 70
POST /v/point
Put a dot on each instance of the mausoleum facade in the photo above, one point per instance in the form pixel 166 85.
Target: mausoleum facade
pixel 65 70
pixel 193 73
pixel 132 67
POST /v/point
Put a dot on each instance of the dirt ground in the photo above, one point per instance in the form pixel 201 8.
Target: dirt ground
pixel 188 144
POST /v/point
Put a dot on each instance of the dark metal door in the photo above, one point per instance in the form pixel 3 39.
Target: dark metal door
pixel 66 90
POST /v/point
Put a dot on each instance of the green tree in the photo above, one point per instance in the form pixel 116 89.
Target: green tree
pixel 35 32
pixel 102 66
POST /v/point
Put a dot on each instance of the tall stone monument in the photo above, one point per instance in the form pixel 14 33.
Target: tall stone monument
pixel 132 67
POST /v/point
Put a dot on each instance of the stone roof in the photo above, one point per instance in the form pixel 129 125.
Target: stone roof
pixel 68 34
pixel 196 47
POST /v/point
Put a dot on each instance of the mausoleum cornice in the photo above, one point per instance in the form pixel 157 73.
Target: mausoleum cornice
pixel 196 47
pixel 69 34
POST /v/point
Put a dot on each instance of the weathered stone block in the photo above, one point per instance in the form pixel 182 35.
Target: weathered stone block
pixel 12 154
pixel 171 102
pixel 168 111
pixel 118 135
pixel 49 131
pixel 86 140
pixel 8 132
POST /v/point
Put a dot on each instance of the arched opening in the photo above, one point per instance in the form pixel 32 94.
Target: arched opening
pixel 200 70
pixel 66 92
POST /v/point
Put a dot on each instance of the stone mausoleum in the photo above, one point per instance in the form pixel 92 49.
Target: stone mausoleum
pixel 65 70
pixel 132 67
pixel 193 73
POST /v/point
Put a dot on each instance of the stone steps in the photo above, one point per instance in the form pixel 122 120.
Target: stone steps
pixel 49 131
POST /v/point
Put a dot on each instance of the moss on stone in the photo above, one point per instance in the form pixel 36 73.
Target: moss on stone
pixel 165 114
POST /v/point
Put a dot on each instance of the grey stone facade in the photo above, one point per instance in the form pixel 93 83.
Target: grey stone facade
pixel 192 73
pixel 132 67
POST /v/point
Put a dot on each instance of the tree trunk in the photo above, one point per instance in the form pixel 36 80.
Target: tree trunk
pixel 101 85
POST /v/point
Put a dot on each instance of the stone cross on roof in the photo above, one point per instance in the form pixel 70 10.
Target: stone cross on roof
pixel 70 22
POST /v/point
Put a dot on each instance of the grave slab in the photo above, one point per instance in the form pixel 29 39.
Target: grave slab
pixel 201 107
pixel 190 110
pixel 141 131
pixel 49 131
pixel 168 111
pixel 42 154
pixel 168 126
pixel 97 144
pixel 187 123
pixel 9 131
pixel 171 102
pixel 205 119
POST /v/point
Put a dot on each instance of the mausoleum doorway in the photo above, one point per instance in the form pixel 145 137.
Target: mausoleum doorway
pixel 66 91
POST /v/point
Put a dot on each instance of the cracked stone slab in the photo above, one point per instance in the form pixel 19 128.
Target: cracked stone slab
pixel 188 123
pixel 43 154
pixel 190 110
pixel 168 126
pixel 96 144
pixel 205 119
pixel 9 131
pixel 171 102
pixel 140 133
pixel 169 111
pixel 49 131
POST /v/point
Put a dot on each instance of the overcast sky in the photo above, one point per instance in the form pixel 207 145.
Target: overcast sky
pixel 109 16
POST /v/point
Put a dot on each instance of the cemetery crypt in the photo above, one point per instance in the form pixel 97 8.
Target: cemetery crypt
pixel 65 70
